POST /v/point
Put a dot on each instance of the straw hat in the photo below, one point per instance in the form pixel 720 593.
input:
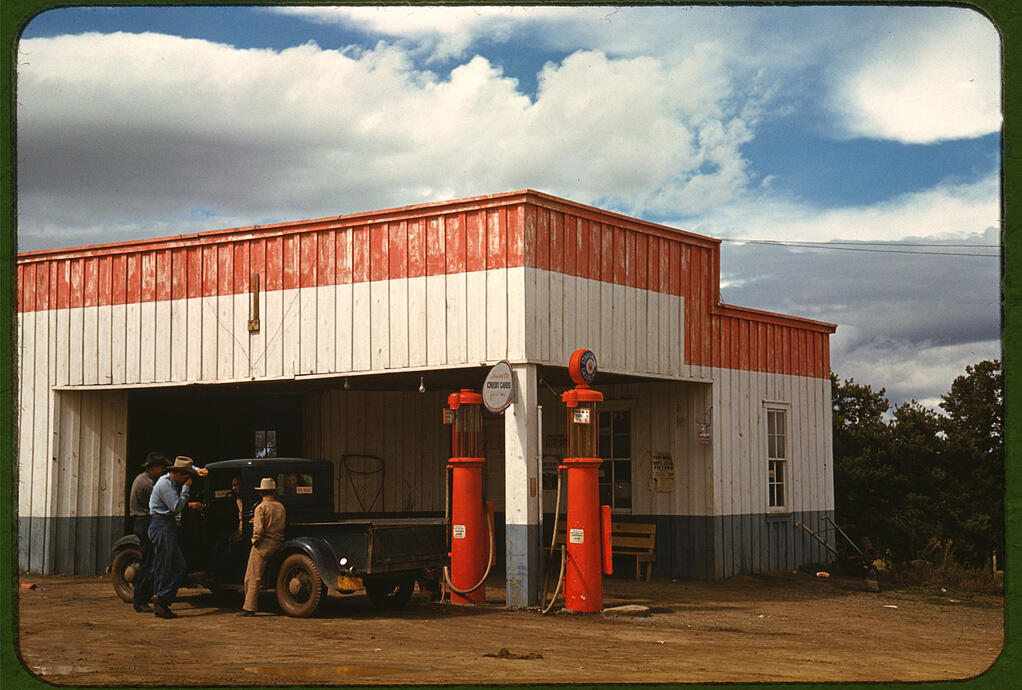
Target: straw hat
pixel 267 485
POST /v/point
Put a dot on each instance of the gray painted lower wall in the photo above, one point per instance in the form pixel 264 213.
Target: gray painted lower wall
pixel 691 547
pixel 715 546
pixel 77 546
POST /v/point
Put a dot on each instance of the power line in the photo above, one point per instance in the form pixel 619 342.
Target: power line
pixel 833 246
pixel 862 242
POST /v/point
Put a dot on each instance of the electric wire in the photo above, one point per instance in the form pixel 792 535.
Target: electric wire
pixel 834 246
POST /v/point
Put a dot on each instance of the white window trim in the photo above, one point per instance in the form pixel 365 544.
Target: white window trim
pixel 785 407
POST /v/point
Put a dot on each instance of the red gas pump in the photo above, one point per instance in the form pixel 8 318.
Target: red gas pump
pixel 471 520
pixel 588 526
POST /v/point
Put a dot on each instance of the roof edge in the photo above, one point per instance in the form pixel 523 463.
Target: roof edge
pixel 777 318
pixel 447 206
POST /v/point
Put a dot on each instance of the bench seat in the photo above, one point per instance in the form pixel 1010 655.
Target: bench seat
pixel 634 539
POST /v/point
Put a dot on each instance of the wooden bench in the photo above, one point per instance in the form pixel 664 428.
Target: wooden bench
pixel 636 539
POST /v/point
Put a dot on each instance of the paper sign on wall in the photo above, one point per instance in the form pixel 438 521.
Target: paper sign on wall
pixel 663 471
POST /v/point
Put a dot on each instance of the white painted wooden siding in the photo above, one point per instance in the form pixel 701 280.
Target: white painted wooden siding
pixel 739 443
pixel 632 331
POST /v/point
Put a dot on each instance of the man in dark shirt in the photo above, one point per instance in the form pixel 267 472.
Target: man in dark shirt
pixel 226 518
pixel 138 508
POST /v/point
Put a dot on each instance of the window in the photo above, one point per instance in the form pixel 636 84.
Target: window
pixel 616 451
pixel 294 483
pixel 777 457
pixel 265 443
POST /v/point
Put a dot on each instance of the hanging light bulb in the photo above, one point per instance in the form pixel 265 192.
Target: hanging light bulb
pixel 422 384
pixel 347 385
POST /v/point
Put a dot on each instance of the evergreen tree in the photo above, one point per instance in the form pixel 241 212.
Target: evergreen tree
pixel 911 477
pixel 974 430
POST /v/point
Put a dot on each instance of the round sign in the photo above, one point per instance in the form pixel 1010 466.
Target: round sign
pixel 582 366
pixel 499 387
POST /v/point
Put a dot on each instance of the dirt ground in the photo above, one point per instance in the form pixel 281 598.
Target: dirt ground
pixel 74 630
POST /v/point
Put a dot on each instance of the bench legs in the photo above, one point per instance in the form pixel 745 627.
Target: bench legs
pixel 640 561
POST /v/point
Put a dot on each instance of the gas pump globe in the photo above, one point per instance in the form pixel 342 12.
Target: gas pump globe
pixel 588 524
pixel 471 533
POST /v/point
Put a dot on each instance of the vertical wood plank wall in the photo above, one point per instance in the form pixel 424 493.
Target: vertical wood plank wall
pixel 403 429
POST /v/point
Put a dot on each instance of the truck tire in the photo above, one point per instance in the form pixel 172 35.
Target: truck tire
pixel 123 570
pixel 389 593
pixel 300 588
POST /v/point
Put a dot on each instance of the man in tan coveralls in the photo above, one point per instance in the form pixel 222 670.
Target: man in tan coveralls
pixel 267 534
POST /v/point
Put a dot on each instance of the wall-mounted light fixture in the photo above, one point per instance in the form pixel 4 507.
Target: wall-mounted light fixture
pixel 253 304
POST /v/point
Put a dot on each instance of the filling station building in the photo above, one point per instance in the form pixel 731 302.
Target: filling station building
pixel 341 338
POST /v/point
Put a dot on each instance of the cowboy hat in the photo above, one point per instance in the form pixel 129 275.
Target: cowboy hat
pixel 155 458
pixel 267 485
pixel 183 464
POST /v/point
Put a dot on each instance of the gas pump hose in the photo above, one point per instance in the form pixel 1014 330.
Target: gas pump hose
pixel 553 542
pixel 489 559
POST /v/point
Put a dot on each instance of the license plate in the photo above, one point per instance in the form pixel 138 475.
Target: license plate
pixel 347 582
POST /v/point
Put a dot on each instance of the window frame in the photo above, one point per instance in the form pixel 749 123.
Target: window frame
pixel 774 462
pixel 609 409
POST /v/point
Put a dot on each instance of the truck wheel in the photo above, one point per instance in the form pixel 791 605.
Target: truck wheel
pixel 123 571
pixel 300 589
pixel 390 594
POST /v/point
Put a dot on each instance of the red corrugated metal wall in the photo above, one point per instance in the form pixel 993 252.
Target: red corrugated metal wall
pixel 517 229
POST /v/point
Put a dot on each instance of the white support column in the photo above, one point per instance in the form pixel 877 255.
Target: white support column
pixel 521 491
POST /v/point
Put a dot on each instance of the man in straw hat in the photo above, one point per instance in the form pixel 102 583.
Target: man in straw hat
pixel 138 508
pixel 170 496
pixel 267 534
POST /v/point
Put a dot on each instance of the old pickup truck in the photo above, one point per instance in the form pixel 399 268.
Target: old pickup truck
pixel 323 551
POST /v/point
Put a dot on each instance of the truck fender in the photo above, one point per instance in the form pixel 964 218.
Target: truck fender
pixel 124 542
pixel 316 549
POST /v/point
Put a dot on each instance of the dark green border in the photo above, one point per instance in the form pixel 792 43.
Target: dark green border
pixel 1006 15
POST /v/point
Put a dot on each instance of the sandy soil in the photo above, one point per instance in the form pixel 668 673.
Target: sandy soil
pixel 76 631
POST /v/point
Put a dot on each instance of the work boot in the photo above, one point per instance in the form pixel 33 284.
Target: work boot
pixel 162 611
pixel 142 608
pixel 246 612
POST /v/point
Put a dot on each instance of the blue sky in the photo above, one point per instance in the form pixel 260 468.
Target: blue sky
pixel 863 124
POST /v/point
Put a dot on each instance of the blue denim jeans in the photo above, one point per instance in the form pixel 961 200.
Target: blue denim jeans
pixel 144 576
pixel 169 567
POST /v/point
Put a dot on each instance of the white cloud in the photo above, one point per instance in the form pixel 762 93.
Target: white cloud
pixel 441 32
pixel 907 321
pixel 912 370
pixel 154 126
pixel 947 211
pixel 935 80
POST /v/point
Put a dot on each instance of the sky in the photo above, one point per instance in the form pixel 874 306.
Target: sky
pixel 849 157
